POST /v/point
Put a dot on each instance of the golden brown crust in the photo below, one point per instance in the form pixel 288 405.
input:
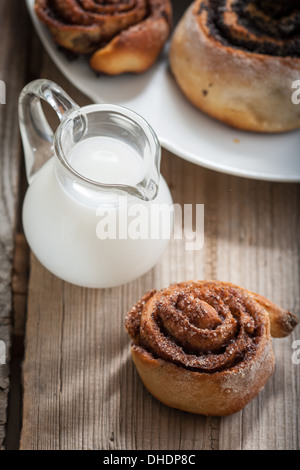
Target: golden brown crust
pixel 204 346
pixel 122 36
pixel 133 50
pixel 222 394
pixel 282 321
pixel 236 85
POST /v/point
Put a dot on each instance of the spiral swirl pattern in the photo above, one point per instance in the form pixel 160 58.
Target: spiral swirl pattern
pixel 260 26
pixel 205 346
pixel 201 326
pixel 83 26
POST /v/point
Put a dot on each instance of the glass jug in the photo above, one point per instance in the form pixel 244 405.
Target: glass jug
pixel 97 212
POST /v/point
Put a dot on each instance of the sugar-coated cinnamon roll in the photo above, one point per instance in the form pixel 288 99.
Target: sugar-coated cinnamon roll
pixel 205 346
pixel 236 60
pixel 120 35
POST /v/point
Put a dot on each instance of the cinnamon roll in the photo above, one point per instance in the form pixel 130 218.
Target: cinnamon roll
pixel 236 60
pixel 205 346
pixel 118 35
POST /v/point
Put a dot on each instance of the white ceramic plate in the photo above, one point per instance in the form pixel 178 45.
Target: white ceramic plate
pixel 181 128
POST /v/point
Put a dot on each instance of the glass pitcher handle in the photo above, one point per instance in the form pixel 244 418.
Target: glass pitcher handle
pixel 36 133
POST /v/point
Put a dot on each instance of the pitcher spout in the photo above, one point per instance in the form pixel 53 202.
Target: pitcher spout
pixel 147 191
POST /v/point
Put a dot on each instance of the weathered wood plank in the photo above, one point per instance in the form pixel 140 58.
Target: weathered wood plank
pixel 81 390
pixel 19 310
pixel 14 37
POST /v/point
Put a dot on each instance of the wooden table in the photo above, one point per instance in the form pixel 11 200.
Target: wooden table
pixel 69 382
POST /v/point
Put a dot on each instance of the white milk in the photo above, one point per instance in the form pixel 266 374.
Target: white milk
pixel 106 160
pixel 62 229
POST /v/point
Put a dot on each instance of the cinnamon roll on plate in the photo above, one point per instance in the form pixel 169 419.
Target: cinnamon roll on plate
pixel 118 35
pixel 205 346
pixel 237 60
